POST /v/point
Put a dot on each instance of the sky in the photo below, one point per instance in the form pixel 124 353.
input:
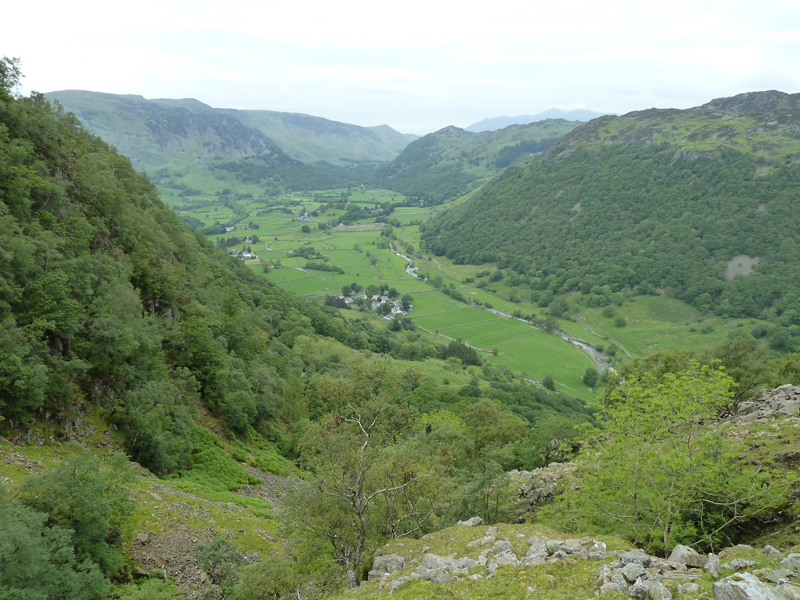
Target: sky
pixel 417 66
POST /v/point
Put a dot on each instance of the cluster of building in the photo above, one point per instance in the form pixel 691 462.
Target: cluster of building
pixel 377 300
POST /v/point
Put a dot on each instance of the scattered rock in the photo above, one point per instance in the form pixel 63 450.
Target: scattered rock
pixel 632 571
pixel 792 561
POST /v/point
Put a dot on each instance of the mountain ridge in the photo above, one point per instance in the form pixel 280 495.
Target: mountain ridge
pixel 305 138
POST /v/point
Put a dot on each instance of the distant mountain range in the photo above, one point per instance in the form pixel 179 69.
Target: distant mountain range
pixel 496 123
pixel 164 132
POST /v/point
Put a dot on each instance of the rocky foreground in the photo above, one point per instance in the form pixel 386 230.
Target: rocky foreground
pixel 738 573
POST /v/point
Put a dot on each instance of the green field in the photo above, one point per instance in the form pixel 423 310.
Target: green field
pixel 487 335
pixel 546 354
pixel 455 318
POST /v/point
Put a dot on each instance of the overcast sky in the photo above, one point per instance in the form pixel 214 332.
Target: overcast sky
pixel 415 65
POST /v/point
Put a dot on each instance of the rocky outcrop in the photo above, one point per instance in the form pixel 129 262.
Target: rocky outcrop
pixel 631 573
pixel 495 553
pixel 783 401
pixel 538 487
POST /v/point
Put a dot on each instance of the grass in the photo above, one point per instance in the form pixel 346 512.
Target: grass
pixel 486 335
pixel 656 323
pixel 455 318
pixel 547 354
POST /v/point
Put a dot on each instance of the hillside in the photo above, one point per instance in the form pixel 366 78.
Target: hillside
pixel 157 133
pixel 495 123
pixel 314 139
pixel 451 161
pixel 699 204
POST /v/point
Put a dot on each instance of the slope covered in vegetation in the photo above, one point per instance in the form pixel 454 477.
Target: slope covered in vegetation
pixel 451 161
pixel 700 203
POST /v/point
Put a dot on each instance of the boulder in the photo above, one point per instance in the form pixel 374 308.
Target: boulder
pixel 506 558
pixel 656 591
pixel 633 571
pixel 472 522
pixel 713 565
pixel 484 541
pixel 687 556
pixel 777 574
pixel 771 551
pixel 743 586
pixel 637 556
pixel 740 564
pixel 388 563
pixel 792 561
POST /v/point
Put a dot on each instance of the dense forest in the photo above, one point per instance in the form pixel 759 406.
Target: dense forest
pixel 655 200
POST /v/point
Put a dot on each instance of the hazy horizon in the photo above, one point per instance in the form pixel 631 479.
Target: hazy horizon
pixel 416 69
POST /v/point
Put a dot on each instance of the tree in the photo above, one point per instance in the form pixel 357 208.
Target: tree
pixel 745 361
pixel 305 229
pixel 371 480
pixel 39 561
pixel 406 301
pixel 590 377
pixel 87 496
pixel 549 383
pixel 10 73
pixel 551 439
pixel 221 560
pixel 657 475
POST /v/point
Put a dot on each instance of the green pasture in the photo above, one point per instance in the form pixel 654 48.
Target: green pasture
pixel 547 354
pixel 656 323
pixel 426 304
pixel 486 335
pixel 453 319
pixel 309 285
pixel 346 258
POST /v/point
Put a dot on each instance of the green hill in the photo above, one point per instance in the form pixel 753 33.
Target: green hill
pixel 155 134
pixel 700 204
pixel 451 161
pixel 314 139
pixel 255 146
